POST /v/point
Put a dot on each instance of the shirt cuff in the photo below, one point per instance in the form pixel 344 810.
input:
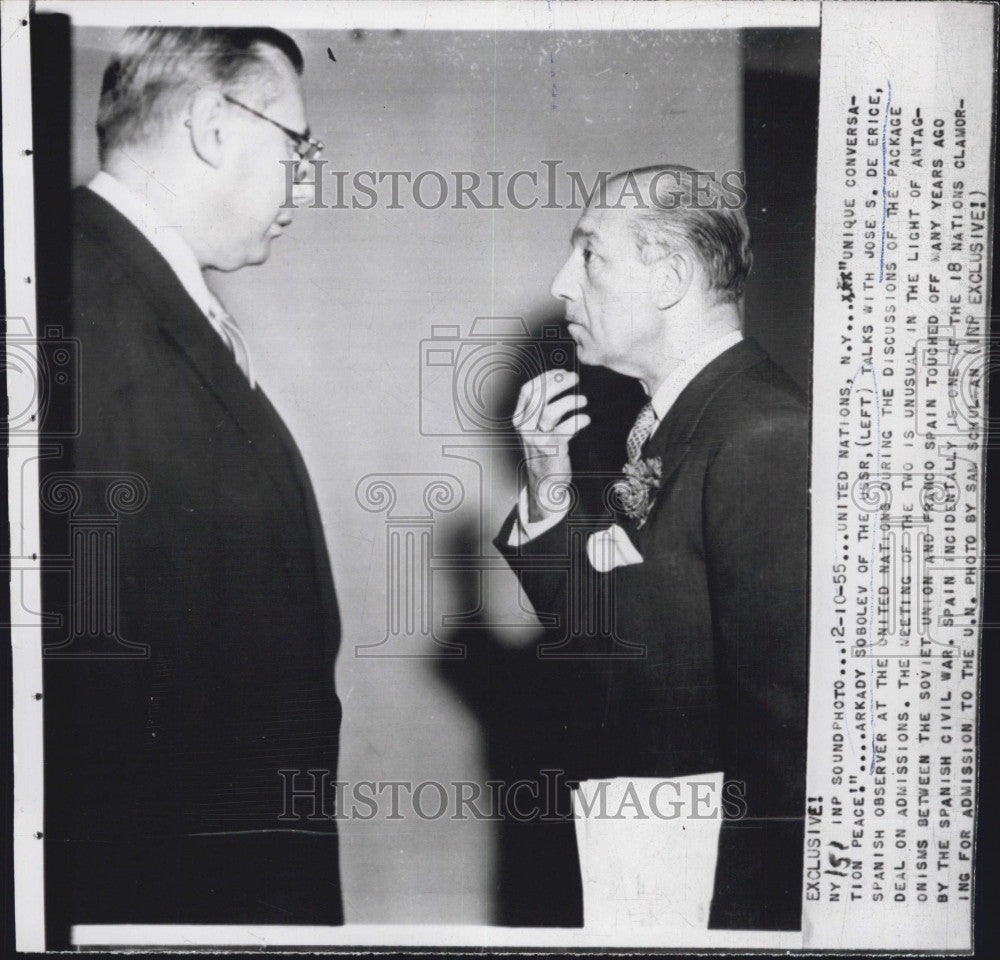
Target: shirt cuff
pixel 525 530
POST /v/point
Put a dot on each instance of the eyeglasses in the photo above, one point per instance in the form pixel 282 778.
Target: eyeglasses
pixel 306 147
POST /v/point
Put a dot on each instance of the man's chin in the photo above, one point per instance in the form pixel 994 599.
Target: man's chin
pixel 248 259
pixel 256 257
pixel 583 349
pixel 588 356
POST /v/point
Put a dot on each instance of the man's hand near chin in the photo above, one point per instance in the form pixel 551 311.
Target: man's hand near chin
pixel 546 418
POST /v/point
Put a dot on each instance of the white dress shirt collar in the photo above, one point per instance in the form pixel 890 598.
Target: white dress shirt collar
pixel 671 388
pixel 165 237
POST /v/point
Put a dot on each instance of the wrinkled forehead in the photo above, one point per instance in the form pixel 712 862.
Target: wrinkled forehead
pixel 607 222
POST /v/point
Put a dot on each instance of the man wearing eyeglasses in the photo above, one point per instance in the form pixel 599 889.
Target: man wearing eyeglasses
pixel 174 731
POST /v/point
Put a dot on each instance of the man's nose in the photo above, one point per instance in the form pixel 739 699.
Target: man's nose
pixel 562 285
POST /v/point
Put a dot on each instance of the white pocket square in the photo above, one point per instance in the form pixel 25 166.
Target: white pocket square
pixel 611 548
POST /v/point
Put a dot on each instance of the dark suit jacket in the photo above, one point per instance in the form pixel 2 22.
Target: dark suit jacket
pixel 701 663
pixel 222 576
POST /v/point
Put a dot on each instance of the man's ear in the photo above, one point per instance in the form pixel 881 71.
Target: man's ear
pixel 206 125
pixel 673 275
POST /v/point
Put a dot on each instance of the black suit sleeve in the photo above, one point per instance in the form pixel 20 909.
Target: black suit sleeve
pixel 540 564
pixel 756 537
pixel 573 601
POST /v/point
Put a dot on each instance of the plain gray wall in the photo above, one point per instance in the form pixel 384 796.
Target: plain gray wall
pixel 335 321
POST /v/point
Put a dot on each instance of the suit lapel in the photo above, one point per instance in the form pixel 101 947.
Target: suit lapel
pixel 671 440
pixel 678 426
pixel 182 323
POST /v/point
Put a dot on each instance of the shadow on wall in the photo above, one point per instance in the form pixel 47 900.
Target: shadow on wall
pixel 519 701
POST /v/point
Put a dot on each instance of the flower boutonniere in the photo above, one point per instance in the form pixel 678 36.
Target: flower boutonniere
pixel 636 491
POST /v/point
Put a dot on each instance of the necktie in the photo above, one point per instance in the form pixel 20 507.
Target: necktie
pixel 233 338
pixel 640 432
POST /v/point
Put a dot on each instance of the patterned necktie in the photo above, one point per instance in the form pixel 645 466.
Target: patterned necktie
pixel 233 338
pixel 640 432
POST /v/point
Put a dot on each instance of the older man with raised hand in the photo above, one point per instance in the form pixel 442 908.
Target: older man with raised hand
pixel 166 733
pixel 701 581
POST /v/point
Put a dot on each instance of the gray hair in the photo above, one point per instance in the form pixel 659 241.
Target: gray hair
pixel 691 208
pixel 156 69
